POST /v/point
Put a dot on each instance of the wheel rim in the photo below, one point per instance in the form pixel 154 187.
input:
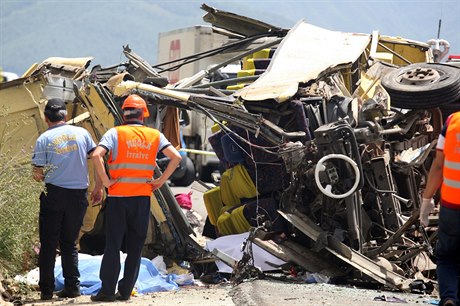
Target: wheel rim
pixel 419 76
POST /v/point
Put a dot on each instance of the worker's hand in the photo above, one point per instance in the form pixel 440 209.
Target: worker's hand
pixel 96 196
pixel 425 209
pixel 109 182
pixel 37 174
pixel 156 183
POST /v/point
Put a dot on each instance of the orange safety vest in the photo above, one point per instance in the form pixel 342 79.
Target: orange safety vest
pixel 135 163
pixel 450 189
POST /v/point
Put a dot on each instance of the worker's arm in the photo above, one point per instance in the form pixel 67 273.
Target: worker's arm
pixel 97 158
pixel 435 175
pixel 174 160
pixel 432 185
pixel 37 174
pixel 97 193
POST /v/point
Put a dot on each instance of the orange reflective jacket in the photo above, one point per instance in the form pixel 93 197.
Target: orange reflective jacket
pixel 450 190
pixel 135 163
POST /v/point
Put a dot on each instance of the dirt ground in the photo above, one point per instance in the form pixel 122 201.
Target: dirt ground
pixel 187 296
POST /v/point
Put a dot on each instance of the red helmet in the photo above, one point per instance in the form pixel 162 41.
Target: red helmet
pixel 135 101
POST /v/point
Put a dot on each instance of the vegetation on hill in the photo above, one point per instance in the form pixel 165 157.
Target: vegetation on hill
pixel 19 205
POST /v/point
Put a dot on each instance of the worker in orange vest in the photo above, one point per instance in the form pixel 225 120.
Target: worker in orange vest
pixel 133 149
pixel 445 172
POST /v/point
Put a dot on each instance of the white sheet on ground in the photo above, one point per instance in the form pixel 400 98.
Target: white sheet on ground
pixel 231 245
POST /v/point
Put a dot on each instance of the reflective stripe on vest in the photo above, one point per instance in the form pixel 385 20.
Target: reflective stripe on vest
pixel 131 166
pixel 452 183
pixel 452 165
pixel 134 165
pixel 450 189
pixel 134 180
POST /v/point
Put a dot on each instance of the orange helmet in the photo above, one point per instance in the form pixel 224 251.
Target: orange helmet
pixel 135 101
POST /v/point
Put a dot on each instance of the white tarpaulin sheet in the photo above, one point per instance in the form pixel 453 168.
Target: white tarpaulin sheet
pixel 231 246
pixel 306 51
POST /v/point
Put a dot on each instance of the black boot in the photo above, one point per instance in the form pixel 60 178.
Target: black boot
pixel 102 297
pixel 69 292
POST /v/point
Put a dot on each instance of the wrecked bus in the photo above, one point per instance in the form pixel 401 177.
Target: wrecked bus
pixel 324 140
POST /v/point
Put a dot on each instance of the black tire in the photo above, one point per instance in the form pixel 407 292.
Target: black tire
pixel 423 85
pixel 447 110
pixel 189 175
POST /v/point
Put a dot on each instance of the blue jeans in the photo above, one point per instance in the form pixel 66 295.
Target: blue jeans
pixel 448 254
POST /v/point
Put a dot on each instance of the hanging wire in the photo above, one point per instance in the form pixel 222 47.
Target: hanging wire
pixel 256 179
pixel 228 131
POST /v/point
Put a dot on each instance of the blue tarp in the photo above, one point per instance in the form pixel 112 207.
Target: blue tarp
pixel 149 280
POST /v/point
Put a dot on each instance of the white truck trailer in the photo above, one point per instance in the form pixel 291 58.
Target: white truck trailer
pixel 182 43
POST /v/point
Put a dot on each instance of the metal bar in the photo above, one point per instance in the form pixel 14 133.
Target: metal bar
pixel 294 252
pixel 226 259
pixel 228 81
pixel 225 92
pixel 394 53
pixel 355 259
pixel 201 152
pixel 201 74
pixel 383 181
pixel 395 236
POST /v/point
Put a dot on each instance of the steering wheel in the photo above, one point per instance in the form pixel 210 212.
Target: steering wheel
pixel 320 167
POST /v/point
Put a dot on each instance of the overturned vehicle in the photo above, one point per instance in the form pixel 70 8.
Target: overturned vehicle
pixel 324 140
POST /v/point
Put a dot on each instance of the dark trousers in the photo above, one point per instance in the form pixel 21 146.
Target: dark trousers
pixel 61 217
pixel 125 218
pixel 448 254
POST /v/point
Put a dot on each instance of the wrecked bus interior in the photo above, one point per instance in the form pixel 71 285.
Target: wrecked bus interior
pixel 324 140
